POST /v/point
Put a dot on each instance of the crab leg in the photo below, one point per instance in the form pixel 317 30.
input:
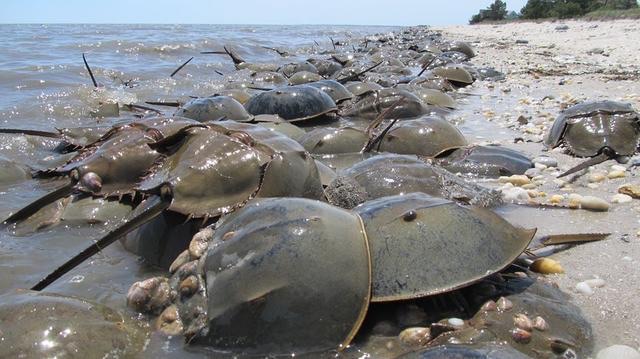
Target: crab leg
pixel 158 205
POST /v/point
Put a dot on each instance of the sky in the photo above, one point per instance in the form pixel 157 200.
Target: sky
pixel 281 12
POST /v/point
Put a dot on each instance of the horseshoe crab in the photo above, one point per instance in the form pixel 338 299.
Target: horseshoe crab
pixel 213 109
pixel 601 129
pixel 360 88
pixel 333 88
pixel 240 63
pixel 456 75
pixel 331 140
pixel 304 77
pixel 459 46
pixel 425 136
pixel 240 277
pixel 294 103
pixel 392 174
pixel 485 161
pixel 245 276
pixel 112 166
pixel 404 229
pixel 374 103
pixel 207 171
pixel 37 325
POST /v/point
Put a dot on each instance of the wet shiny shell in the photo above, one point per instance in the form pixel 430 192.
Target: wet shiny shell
pixel 331 140
pixel 288 129
pixel 425 136
pixel 213 109
pixel 457 75
pixel 333 88
pixel 120 159
pixel 374 103
pixel 488 161
pixel 290 69
pixel 218 169
pixel 393 174
pixel 270 288
pixel 303 77
pixel 360 88
pixel 422 245
pixel 459 46
pixel 434 97
pixel 588 127
pixel 44 325
pixel 294 103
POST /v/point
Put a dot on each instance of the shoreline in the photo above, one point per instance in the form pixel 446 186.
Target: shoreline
pixel 550 66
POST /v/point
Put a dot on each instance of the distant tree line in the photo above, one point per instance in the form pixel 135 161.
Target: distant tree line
pixel 539 9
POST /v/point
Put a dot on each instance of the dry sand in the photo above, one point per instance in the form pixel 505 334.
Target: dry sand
pixel 550 66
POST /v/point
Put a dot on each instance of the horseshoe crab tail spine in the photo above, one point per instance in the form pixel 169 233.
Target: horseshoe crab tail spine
pixel 181 66
pixel 603 156
pixel 235 57
pixel 93 79
pixel 36 205
pixel 355 77
pixel 30 132
pixel 157 205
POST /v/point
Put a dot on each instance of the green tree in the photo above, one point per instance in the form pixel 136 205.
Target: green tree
pixel 496 11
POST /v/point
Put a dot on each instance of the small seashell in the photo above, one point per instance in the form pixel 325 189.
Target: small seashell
pixel 504 304
pixel 546 160
pixel 180 260
pixel 616 174
pixel 584 288
pixel 621 198
pixel 595 282
pixel 150 295
pixel 489 306
pixel 596 177
pixel 618 352
pixel 523 322
pixel 516 180
pixel 415 336
pixel 198 246
pixel 228 235
pixel 540 324
pixel 169 321
pixel 189 285
pixel 520 335
pixel 594 204
pixel 556 198
pixel 546 266
pixel 632 190
pixel 456 322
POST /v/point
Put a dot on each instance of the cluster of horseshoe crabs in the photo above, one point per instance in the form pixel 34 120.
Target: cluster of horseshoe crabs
pixel 331 212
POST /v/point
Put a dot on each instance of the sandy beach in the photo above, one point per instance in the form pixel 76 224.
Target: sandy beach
pixel 550 66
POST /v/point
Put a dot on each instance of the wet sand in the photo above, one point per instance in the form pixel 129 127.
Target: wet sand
pixel 550 66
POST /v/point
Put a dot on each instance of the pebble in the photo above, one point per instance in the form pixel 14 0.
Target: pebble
pixel 546 160
pixel 594 203
pixel 546 266
pixel 515 194
pixel 596 177
pixel 595 282
pixel 616 174
pixel 556 198
pixel 618 168
pixel 540 166
pixel 584 288
pixel 632 190
pixel 516 180
pixel 618 352
pixel 532 172
pixel 621 198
